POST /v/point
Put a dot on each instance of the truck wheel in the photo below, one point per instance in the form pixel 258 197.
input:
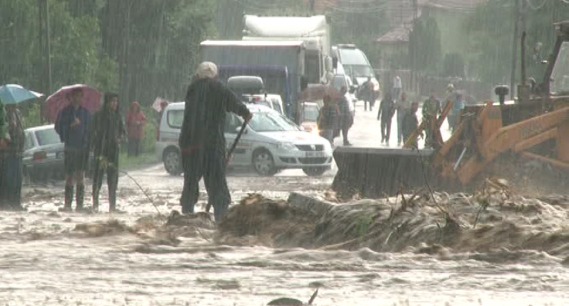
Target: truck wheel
pixel 315 171
pixel 172 162
pixel 264 163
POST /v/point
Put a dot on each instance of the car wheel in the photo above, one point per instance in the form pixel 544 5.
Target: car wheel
pixel 264 163
pixel 315 171
pixel 172 162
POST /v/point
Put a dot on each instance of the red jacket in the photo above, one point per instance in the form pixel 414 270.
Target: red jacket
pixel 135 121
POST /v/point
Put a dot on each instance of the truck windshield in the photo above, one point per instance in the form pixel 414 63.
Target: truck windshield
pixel 353 57
pixel 560 74
pixel 271 122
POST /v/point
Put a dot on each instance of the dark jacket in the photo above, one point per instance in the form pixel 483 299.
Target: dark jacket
pixel 107 131
pixel 386 109
pixel 328 117
pixel 410 123
pixel 207 102
pixel 76 137
pixel 16 131
pixel 3 125
pixel 346 118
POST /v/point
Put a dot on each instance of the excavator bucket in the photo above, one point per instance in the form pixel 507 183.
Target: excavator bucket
pixel 378 172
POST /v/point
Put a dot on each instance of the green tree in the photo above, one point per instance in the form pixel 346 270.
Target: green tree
pixel 425 45
pixel 491 29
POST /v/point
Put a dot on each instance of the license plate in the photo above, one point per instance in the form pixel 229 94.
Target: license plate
pixel 315 154
pixel 59 155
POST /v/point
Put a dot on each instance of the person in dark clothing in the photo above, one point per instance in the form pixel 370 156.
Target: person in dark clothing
pixel 410 123
pixel 328 119
pixel 366 94
pixel 202 140
pixel 346 117
pixel 72 125
pixel 10 193
pixel 107 133
pixel 4 140
pixel 431 109
pixel 385 113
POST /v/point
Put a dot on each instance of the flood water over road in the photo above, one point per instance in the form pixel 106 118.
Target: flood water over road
pixel 53 258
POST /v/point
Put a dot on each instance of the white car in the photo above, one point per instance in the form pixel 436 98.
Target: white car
pixel 271 142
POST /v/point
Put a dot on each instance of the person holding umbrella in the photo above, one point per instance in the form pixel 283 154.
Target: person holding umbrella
pixel 10 195
pixel 4 139
pixel 107 133
pixel 72 125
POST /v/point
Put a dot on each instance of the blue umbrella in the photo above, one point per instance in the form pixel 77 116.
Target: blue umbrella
pixel 14 94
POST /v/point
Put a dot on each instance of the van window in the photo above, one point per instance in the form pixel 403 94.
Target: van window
pixel 175 118
pixel 353 57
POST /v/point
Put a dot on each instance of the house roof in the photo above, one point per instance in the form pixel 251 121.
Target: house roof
pixel 395 36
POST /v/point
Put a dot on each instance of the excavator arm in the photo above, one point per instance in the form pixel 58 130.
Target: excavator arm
pixel 489 140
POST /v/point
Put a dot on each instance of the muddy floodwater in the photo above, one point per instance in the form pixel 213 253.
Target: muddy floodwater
pixel 514 252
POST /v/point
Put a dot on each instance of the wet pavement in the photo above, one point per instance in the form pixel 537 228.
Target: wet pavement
pixel 53 258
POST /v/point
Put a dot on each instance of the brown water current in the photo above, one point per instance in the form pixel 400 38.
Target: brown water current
pixel 490 248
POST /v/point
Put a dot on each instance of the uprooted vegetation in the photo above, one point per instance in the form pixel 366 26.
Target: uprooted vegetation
pixel 493 218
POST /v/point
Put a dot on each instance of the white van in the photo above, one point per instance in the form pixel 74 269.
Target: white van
pixel 271 142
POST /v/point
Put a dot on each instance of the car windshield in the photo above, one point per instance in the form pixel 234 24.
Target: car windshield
pixel 271 122
pixel 175 118
pixel 310 113
pixel 47 137
pixel 560 73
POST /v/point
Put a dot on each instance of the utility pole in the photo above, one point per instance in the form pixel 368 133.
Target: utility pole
pixel 517 13
pixel 45 44
pixel 311 4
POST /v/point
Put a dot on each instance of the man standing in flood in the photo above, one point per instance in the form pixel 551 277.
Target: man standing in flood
pixel 106 135
pixel 10 194
pixel 4 140
pixel 202 141
pixel 72 125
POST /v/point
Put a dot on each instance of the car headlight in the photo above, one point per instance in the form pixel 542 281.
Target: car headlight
pixel 286 146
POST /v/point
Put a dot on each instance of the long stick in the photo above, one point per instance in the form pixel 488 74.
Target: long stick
pixel 228 157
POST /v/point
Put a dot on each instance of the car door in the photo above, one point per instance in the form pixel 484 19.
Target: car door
pixel 239 156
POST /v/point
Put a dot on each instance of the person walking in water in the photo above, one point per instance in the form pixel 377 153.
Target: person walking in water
pixel 402 106
pixel 72 125
pixel 106 135
pixel 202 140
pixel 385 114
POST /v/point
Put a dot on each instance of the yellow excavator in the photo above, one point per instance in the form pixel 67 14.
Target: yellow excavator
pixel 535 126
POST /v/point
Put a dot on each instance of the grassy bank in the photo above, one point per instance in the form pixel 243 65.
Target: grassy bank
pixel 136 162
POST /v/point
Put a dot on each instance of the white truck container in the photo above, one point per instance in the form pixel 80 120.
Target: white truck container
pixel 314 31
pixel 289 54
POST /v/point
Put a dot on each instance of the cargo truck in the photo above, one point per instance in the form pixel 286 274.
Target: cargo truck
pixel 289 54
pixel 314 31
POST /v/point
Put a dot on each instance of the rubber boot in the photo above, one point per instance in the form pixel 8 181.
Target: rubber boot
pixel 68 198
pixel 79 197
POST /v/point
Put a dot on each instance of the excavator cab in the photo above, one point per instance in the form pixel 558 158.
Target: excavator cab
pixel 534 127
